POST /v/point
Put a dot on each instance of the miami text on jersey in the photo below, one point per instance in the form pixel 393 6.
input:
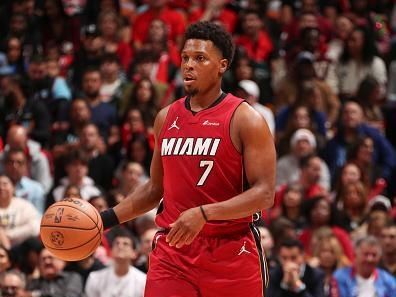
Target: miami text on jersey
pixel 189 146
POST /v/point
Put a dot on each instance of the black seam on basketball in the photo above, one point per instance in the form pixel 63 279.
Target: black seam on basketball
pixel 97 219
pixel 74 247
pixel 67 227
pixel 78 209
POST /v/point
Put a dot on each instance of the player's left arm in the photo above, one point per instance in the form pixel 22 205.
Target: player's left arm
pixel 251 135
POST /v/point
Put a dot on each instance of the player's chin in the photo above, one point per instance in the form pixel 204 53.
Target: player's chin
pixel 190 90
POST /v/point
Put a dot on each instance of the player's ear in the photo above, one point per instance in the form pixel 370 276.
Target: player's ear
pixel 223 66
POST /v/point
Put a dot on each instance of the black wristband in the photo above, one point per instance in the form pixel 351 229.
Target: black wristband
pixel 203 213
pixel 109 218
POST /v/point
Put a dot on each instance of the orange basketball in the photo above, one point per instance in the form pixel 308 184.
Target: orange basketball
pixel 71 229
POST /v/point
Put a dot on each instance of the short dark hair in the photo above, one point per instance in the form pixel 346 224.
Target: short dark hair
pixel 291 243
pixel 14 151
pixel 110 58
pixel 120 231
pixel 76 155
pixel 215 33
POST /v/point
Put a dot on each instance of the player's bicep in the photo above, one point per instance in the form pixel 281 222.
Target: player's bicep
pixel 258 149
pixel 156 168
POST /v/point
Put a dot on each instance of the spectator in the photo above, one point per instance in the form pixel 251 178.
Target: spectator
pixel 364 278
pixel 103 114
pixel 19 219
pixel 54 281
pixel 5 259
pixel 215 11
pixel 12 284
pixel 146 245
pixel 330 256
pixel 79 116
pixel 131 176
pixel 369 97
pixel 168 54
pixel 120 278
pixel 101 167
pixel 109 24
pixel 25 187
pixel 39 166
pixel 343 28
pixel 115 89
pixel 89 56
pixel 320 213
pixel 289 120
pixel 254 39
pixel 20 110
pixel 320 96
pixel 251 92
pixel 388 242
pixel 302 143
pixel 139 150
pixel 144 98
pixel 357 61
pixel 63 28
pixel 352 203
pixel 291 206
pixel 52 91
pixel 294 277
pixel 28 254
pixel 14 53
pixel 158 9
pixel 85 267
pixel 352 127
pixel 361 154
pixel 77 170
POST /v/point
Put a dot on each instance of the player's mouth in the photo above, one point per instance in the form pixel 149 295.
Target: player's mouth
pixel 188 79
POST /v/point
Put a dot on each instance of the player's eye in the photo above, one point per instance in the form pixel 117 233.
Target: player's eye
pixel 184 58
pixel 200 58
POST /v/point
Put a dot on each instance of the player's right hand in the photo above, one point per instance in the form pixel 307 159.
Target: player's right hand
pixel 186 227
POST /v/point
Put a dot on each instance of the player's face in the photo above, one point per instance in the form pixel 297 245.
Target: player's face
pixel 202 66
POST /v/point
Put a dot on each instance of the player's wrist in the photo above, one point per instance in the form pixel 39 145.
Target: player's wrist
pixel 109 218
pixel 203 213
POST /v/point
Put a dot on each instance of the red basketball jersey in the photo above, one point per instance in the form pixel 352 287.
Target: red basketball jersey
pixel 201 164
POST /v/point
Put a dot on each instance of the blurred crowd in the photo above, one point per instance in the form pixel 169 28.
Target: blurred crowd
pixel 81 82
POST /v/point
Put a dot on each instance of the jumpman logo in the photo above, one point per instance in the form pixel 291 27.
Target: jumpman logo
pixel 243 249
pixel 174 125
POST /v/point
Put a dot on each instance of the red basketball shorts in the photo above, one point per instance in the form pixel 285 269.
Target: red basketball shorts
pixel 231 265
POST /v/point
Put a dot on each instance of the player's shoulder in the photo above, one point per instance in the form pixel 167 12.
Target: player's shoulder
pixel 246 114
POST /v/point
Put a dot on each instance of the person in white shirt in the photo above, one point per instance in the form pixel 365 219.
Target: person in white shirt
pixel 120 279
pixel 302 143
pixel 251 92
pixel 19 219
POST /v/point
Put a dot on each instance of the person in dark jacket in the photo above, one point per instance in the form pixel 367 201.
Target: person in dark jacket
pixel 293 277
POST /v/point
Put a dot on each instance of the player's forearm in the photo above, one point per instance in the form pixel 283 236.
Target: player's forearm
pixel 243 205
pixel 140 201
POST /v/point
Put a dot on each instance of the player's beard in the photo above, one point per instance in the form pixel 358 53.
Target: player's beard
pixel 191 92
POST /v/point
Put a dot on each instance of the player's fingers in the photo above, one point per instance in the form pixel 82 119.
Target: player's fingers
pixel 190 239
pixel 174 237
pixel 183 240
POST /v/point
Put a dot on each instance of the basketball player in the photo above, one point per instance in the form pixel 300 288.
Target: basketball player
pixel 206 143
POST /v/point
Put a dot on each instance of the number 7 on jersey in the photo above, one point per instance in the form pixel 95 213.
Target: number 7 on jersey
pixel 209 165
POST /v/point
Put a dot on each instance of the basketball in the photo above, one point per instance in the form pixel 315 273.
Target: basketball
pixel 71 229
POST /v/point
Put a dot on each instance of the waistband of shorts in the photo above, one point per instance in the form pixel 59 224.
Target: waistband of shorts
pixel 219 230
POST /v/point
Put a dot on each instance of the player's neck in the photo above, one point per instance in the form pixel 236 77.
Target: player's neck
pixel 201 101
